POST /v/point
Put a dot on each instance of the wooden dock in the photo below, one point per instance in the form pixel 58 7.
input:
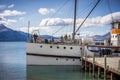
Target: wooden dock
pixel 109 65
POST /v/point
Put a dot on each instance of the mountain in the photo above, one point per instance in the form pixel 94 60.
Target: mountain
pixel 7 34
pixel 48 37
pixel 101 37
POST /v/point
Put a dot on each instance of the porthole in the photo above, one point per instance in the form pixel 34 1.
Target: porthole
pixel 64 47
pixel 80 59
pixel 66 59
pixel 40 46
pixel 73 59
pixel 80 48
pixel 57 47
pixel 56 58
pixel 71 47
pixel 50 46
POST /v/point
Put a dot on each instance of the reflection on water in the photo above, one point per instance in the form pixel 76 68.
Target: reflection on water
pixel 57 73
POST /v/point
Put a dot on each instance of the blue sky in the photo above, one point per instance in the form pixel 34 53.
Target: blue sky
pixel 50 15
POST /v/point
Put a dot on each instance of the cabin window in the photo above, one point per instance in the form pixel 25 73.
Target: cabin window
pixel 71 47
pixel 56 58
pixel 64 47
pixel 50 46
pixel 57 47
pixel 40 46
pixel 119 26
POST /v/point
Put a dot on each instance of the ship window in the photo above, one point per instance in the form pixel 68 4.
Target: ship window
pixel 57 47
pixel 119 26
pixel 80 59
pixel 50 46
pixel 56 58
pixel 73 59
pixel 64 47
pixel 66 59
pixel 41 46
pixel 71 47
pixel 80 48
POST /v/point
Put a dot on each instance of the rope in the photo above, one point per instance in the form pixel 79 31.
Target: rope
pixel 87 16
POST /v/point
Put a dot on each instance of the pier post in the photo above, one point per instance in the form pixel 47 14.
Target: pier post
pixel 90 68
pixel 105 63
pixel 85 61
pixel 119 65
pixel 99 71
pixel 111 76
pixel 94 65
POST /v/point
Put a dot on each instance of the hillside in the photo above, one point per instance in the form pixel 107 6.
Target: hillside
pixel 7 34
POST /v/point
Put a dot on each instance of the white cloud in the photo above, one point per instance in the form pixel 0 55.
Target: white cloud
pixel 90 22
pixel 31 29
pixel 6 21
pixel 11 6
pixel 56 22
pixel 44 11
pixel 2 6
pixel 21 18
pixel 46 29
pixel 99 21
pixel 11 13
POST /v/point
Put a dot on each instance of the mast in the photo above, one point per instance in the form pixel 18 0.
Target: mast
pixel 28 31
pixel 75 5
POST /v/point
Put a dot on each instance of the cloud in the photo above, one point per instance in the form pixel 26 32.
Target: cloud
pixel 56 22
pixel 6 21
pixel 45 11
pixel 31 29
pixel 11 6
pixel 11 13
pixel 21 18
pixel 90 22
pixel 2 6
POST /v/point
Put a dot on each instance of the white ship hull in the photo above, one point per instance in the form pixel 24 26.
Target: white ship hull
pixel 53 54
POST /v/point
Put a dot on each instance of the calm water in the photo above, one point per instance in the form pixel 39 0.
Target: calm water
pixel 12 61
pixel 13 66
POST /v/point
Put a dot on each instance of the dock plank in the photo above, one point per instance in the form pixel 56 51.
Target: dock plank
pixel 112 63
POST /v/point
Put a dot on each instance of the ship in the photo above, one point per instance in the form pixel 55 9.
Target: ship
pixel 65 52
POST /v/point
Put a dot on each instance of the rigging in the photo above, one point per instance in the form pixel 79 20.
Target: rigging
pixel 87 16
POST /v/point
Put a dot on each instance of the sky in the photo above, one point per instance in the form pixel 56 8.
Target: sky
pixel 55 17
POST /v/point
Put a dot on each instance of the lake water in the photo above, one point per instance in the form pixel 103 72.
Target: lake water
pixel 12 61
pixel 13 66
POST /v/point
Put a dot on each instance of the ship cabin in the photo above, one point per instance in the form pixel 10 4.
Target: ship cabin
pixel 115 34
